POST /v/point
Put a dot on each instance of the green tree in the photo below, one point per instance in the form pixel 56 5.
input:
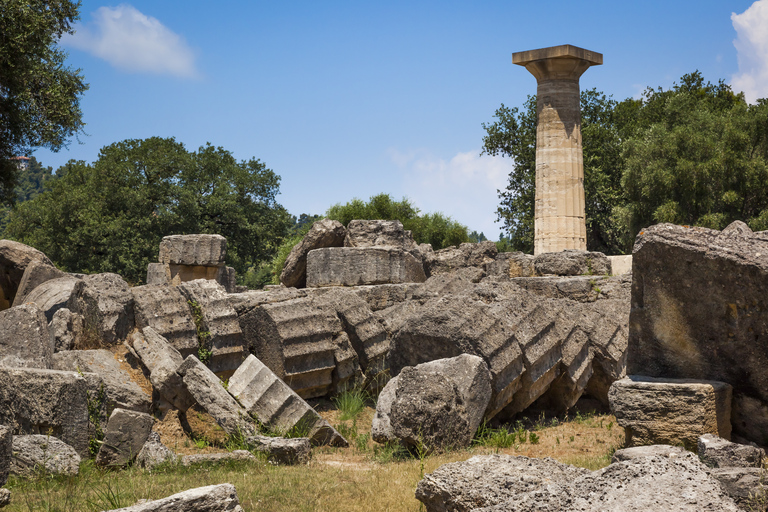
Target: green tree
pixel 31 182
pixel 110 216
pixel 39 95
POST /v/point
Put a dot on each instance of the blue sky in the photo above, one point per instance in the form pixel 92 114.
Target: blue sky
pixel 350 99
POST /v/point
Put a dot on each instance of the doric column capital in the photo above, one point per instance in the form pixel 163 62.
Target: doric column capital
pixel 564 62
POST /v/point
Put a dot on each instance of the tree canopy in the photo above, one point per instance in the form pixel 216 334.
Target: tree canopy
pixel 39 94
pixel 110 216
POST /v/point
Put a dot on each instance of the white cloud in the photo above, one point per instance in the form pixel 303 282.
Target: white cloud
pixel 752 46
pixel 134 42
pixel 463 187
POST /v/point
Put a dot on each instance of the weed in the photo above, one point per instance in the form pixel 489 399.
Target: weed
pixel 351 402
pixel 204 352
pixel 361 442
pixel 533 438
pixel 494 437
pixel 95 405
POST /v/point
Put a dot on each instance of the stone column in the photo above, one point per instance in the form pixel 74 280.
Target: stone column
pixel 559 210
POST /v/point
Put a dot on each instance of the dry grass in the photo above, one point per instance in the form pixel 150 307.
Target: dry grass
pixel 365 476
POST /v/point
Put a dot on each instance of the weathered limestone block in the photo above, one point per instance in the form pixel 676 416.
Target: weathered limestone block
pixel 621 265
pixel 486 480
pixel 511 265
pixel 382 296
pixel 34 401
pixel 295 339
pixel 125 435
pixel 162 361
pixel 653 450
pixel 158 273
pixel 121 391
pixel 14 258
pixel 25 340
pixel 699 310
pixel 324 233
pixel 572 263
pixel 749 417
pixel 227 278
pixel 377 233
pixel 466 255
pixel 106 304
pixel 205 250
pixel 52 295
pixel 37 272
pixel 66 327
pixel 6 452
pixel 746 486
pixel 34 452
pixel 220 320
pixel 166 310
pixel 203 458
pixel 209 393
pixel 354 266
pixel 578 288
pixel 436 405
pixel 717 452
pixel 246 301
pixel 346 372
pixel 213 498
pixel 155 453
pixel 575 372
pixel 670 411
pixel 280 450
pixel 276 405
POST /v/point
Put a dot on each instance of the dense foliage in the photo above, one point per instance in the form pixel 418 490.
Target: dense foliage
pixel 39 95
pixel 694 154
pixel 110 216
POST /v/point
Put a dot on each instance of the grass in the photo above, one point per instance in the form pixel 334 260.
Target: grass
pixel 365 476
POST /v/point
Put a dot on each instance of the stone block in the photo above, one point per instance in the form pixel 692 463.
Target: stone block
pixel 572 262
pixel 121 391
pixel 162 361
pixel 280 450
pixel 746 486
pixel 227 278
pixel 154 453
pixel 38 452
pixel 14 258
pixel 35 401
pixel 158 273
pixel 717 452
pixel 511 265
pixel 377 233
pixel 452 258
pixel 208 458
pixel 166 310
pixel 106 304
pixel 206 250
pixel 6 452
pixel 324 233
pixel 125 435
pixel 66 328
pixel 621 265
pixel 213 498
pixel 670 411
pixel 354 266
pixel 653 450
pixel 53 295
pixel 37 272
pixel 25 340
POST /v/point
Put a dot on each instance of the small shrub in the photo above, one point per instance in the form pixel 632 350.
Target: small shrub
pixel 351 402
pixel 204 352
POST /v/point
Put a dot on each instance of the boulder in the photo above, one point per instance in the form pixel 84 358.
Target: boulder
pixel 215 316
pixel 324 233
pixel 354 266
pixel 670 411
pixel 124 437
pixel 280 450
pixel 53 295
pixel 14 259
pixel 6 452
pixel 717 452
pixel 213 498
pixel 166 310
pixel 121 391
pixel 436 405
pixel 162 361
pixel 35 401
pixel 452 258
pixel 676 334
pixel 37 272
pixel 652 450
pixel 377 233
pixel 276 405
pixel 746 486
pixel 209 393
pixel 507 265
pixel 572 262
pixel 208 458
pixel 204 250
pixel 106 305
pixel 25 340
pixel 66 328
pixel 486 480
pixel 155 453
pixel 34 453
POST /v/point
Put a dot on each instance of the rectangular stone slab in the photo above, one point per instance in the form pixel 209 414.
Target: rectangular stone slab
pixel 354 266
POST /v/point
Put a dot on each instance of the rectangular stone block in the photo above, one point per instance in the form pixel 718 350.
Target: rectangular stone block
pixel 25 339
pixel 162 360
pixel 670 411
pixel 208 250
pixel 354 266
pixel 158 273
pixel 165 309
pixel 125 435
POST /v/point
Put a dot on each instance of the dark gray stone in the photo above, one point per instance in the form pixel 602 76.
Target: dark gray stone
pixel 66 328
pixel 717 452
pixel 747 486
pixel 124 437
pixel 6 452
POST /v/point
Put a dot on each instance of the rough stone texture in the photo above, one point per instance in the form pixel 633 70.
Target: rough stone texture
pixel 621 265
pixel 66 327
pixel 41 452
pixel 377 233
pixel 220 320
pixel 382 296
pixel 203 458
pixel 124 437
pixel 105 303
pixel 25 340
pixel 209 393
pixel 14 258
pixel 354 266
pixel 276 405
pixel 165 309
pixel 280 450
pixel 486 480
pixel 438 404
pixel 511 265
pixel 466 255
pixel 746 486
pixel 639 485
pixel 717 452
pixel 155 453
pixel 6 452
pixel 157 273
pixel 324 233
pixel 213 498
pixel 162 361
pixel 205 250
pixel 37 272
pixel 53 295
pixel 246 301
pixel 653 450
pixel 749 417
pixel 674 333
pixel 572 263
pixel 5 497
pixel 121 391
pixel 346 373
pixel 294 339
pixel 670 411
pixel 34 401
